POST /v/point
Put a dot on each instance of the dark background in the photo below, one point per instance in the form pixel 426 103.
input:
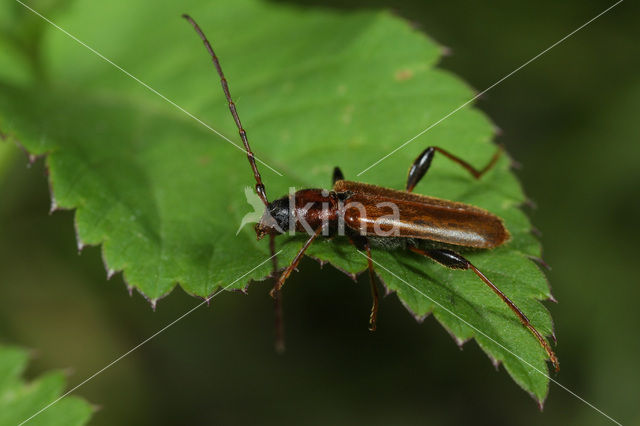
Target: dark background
pixel 570 118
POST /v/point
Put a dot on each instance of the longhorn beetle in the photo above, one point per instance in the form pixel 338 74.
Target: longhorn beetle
pixel 428 226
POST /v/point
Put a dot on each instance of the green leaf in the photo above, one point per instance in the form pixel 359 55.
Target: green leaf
pixel 7 153
pixel 315 89
pixel 20 400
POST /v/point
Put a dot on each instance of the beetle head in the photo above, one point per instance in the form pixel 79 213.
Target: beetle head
pixel 275 220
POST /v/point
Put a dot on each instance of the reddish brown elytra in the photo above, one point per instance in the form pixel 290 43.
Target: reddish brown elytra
pixel 428 226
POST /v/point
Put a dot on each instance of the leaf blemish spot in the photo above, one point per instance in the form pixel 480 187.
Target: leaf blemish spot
pixel 347 115
pixel 204 160
pixel 403 75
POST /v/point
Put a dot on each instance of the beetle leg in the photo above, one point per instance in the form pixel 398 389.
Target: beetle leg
pixel 337 175
pixel 373 317
pixel 362 243
pixel 277 305
pixel 453 260
pixel 421 165
pixel 276 288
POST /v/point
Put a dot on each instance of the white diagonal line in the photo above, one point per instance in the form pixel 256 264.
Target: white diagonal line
pixel 497 343
pixel 146 85
pixel 206 300
pixel 492 86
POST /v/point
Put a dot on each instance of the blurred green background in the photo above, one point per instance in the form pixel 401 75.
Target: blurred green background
pixel 568 118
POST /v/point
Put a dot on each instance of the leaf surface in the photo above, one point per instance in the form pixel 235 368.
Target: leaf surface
pixel 315 89
pixel 20 400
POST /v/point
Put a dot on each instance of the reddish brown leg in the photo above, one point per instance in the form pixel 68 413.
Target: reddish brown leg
pixel 453 260
pixel 276 288
pixel 277 300
pixel 374 292
pixel 362 243
pixel 421 165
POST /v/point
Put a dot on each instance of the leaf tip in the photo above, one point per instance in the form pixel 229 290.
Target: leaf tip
pixel 53 207
pixel 419 318
pixel 514 164
pixel 528 202
pixel 458 340
pixel 540 404
pixel 540 261
pixel 387 290
pixel 495 362
pixel 31 158
pixel 79 242
pixel 535 232
pixel 153 302
pixel 110 271
pixel 354 277
pixel 244 290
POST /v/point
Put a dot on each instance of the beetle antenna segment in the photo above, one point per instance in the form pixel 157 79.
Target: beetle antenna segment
pixel 232 107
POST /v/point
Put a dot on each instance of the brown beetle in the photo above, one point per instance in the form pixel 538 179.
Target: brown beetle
pixel 425 225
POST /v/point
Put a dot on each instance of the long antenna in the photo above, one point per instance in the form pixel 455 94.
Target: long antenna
pixel 232 107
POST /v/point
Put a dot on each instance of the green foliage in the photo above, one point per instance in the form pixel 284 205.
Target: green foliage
pixel 315 89
pixel 19 400
pixel 7 153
